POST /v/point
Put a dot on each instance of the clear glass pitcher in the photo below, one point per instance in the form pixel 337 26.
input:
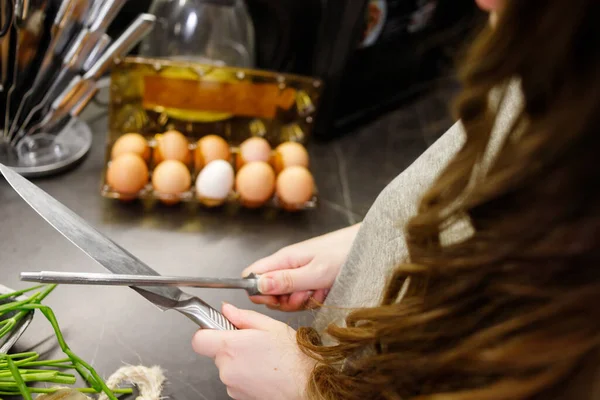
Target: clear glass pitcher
pixel 208 31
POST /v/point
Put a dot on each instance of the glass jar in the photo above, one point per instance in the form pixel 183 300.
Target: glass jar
pixel 217 32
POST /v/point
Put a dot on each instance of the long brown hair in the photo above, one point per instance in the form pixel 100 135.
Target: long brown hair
pixel 513 310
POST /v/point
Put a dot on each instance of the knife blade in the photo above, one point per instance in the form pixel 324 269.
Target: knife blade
pixel 249 283
pixel 112 256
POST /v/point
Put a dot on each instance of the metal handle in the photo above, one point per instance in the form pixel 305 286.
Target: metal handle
pixel 84 98
pixel 65 25
pixel 123 44
pixel 21 7
pixel 60 35
pixel 204 315
pixel 69 101
pixel 64 9
pixel 97 51
pixel 92 13
pixel 82 47
pixel 74 97
pixel 105 15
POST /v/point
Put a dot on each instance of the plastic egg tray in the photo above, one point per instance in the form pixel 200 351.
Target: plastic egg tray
pixel 152 96
pixel 149 193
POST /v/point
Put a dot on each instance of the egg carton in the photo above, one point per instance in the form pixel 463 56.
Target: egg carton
pixel 148 192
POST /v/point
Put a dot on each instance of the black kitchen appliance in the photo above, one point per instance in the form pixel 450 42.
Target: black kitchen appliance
pixel 372 55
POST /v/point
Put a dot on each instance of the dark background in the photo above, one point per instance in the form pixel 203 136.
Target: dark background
pixel 321 38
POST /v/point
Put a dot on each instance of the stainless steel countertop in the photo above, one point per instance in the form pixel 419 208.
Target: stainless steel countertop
pixel 113 326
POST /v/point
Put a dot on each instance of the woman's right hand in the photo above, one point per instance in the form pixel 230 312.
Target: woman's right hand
pixel 299 276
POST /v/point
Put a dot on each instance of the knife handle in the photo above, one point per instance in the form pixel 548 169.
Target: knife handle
pixel 204 315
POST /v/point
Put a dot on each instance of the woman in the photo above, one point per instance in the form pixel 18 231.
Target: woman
pixel 475 275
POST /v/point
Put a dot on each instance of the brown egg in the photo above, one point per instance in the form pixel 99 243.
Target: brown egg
pixel 172 145
pixel 127 174
pixel 255 183
pixel 211 148
pixel 253 149
pixel 170 179
pixel 131 143
pixel 295 186
pixel 289 154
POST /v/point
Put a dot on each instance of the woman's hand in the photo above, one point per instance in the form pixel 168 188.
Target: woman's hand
pixel 294 275
pixel 259 361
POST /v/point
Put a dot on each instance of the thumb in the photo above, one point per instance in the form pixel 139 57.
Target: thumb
pixel 247 319
pixel 289 281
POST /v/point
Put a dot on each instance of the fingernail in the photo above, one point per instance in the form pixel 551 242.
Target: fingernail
pixel 266 285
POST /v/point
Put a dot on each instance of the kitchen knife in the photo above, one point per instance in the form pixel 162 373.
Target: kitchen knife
pixel 65 111
pixel 74 60
pixel 112 256
pixel 72 64
pixel 121 46
pixel 105 14
pixel 102 44
pixel 69 103
pixel 249 283
pixel 29 31
pixel 65 23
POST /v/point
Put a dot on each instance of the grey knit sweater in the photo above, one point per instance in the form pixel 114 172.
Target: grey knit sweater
pixel 380 243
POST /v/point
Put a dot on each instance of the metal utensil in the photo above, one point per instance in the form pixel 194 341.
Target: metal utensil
pixel 112 256
pixel 6 18
pixel 65 23
pixel 122 45
pixel 249 283
pixel 67 107
pixel 97 52
pixel 72 64
pixel 86 49
pixel 5 54
pixel 78 90
pixel 105 15
pixel 29 26
pixel 92 12
pixel 82 47
pixel 65 110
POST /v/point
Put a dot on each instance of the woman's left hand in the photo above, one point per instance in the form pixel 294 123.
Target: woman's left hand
pixel 261 360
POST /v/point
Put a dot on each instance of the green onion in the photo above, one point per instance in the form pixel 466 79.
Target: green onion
pixel 18 379
pixel 19 292
pixel 16 370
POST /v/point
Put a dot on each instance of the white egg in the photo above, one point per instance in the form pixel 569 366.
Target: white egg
pixel 215 180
